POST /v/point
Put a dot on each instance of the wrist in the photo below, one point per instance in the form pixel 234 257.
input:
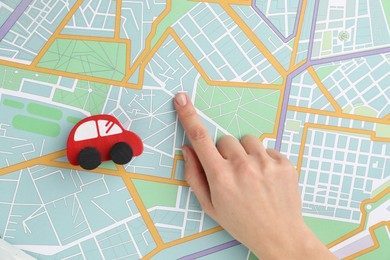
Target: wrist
pixel 296 243
pixel 311 247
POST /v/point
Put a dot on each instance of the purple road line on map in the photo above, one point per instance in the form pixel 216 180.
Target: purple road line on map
pixel 283 115
pixel 303 67
pixel 310 62
pixel 282 119
pixel 273 27
pixel 313 30
pixel 350 56
pixel 19 10
pixel 294 33
pixel 211 250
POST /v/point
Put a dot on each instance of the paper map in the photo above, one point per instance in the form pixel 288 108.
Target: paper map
pixel 309 78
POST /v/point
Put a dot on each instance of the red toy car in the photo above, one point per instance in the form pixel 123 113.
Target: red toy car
pixel 101 138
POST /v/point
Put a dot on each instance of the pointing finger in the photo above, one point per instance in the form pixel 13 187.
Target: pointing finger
pixel 196 178
pixel 197 132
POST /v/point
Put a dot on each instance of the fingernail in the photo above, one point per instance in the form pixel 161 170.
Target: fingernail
pixel 181 99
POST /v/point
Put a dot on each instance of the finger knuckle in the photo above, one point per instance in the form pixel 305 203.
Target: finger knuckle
pixel 271 150
pixel 187 113
pixel 215 172
pixel 197 134
pixel 224 139
pixel 243 166
pixel 289 168
pixel 227 138
pixel 278 167
pixel 216 168
pixel 248 137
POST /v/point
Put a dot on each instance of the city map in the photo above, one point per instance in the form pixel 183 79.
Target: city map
pixel 309 78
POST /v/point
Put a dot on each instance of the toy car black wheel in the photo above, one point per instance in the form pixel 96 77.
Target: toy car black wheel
pixel 121 153
pixel 89 158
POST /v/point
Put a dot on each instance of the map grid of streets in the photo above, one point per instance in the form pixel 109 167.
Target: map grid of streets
pixel 308 78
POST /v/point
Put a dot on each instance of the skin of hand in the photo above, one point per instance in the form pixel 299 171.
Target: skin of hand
pixel 252 192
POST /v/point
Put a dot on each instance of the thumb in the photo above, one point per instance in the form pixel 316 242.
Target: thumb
pixel 196 178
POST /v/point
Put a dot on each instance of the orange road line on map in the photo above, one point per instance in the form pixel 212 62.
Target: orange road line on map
pixel 204 75
pixel 57 32
pixel 140 61
pixel 66 165
pixel 175 160
pixel 324 90
pixel 302 150
pixel 278 113
pixel 127 42
pixel 376 245
pixel 198 67
pixel 220 83
pixel 362 225
pixel 387 117
pixel 142 209
pixel 146 57
pixel 372 135
pixel 118 14
pixel 296 66
pixel 33 162
pixel 183 240
pixel 298 35
pixel 253 38
pixel 364 203
pixel 92 38
pixel 156 179
pixel 68 74
pixel 274 133
pixel 49 160
pixel 116 172
pixel 341 115
pixel 128 85
pixel 267 135
pixel 235 2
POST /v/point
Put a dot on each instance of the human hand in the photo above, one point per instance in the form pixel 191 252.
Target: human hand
pixel 250 191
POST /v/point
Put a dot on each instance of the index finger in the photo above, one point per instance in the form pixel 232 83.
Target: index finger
pixel 197 132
